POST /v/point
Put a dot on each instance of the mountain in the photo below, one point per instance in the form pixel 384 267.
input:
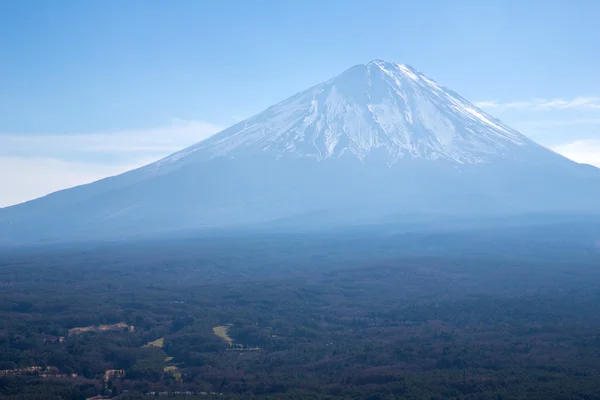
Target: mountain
pixel 380 141
pixel 379 106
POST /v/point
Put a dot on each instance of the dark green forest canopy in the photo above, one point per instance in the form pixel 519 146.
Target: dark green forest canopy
pixel 508 314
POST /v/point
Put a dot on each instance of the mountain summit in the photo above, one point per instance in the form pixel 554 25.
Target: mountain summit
pixel 380 140
pixel 378 106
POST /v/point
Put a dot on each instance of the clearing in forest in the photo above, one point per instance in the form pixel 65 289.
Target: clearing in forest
pixel 221 331
pixel 173 371
pixel 100 328
pixel 157 343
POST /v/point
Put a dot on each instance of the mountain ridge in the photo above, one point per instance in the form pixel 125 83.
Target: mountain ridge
pixel 369 106
pixel 378 139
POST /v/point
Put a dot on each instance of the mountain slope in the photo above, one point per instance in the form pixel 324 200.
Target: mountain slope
pixel 379 139
pixel 380 105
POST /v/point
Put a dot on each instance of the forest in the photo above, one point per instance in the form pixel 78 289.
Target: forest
pixel 365 313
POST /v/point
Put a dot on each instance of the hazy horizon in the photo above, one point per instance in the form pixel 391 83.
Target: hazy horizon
pixel 323 200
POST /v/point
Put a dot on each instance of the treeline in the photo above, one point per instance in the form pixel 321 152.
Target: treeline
pixel 395 328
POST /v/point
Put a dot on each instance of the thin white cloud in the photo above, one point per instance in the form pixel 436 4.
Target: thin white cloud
pixel 23 179
pixel 582 151
pixel 35 165
pixel 154 140
pixel 589 103
pixel 560 123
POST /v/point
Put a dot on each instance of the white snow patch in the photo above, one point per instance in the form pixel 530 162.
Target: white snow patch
pixel 408 72
pixel 430 82
pixel 482 117
pixel 406 119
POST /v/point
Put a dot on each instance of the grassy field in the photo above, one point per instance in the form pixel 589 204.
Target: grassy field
pixel 157 343
pixel 100 328
pixel 170 369
pixel 174 371
pixel 221 331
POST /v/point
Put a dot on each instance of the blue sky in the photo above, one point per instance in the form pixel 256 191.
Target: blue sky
pixel 92 88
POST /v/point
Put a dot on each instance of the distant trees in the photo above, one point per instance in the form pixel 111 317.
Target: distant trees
pixel 404 329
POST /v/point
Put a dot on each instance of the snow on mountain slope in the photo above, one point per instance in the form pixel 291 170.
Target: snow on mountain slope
pixel 380 105
pixel 379 139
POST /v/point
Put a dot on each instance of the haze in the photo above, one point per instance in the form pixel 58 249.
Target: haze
pixel 321 200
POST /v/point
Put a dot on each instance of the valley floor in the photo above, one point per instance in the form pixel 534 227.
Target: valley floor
pixel 390 317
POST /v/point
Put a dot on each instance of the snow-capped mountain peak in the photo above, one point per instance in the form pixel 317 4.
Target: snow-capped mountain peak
pixel 378 141
pixel 379 105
